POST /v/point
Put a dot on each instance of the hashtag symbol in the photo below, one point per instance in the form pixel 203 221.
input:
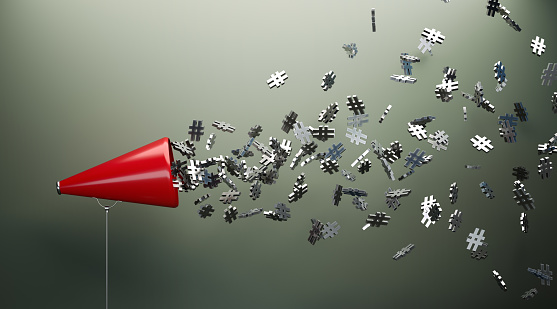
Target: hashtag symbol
pixel 308 149
pixel 475 167
pixel 448 84
pixel 499 71
pixel 328 80
pixel 520 111
pixel 481 143
pixel 499 280
pixel 230 214
pixel 439 140
pixel 302 132
pixel 298 191
pixel 475 239
pixel 186 148
pixel 403 79
pixel 492 7
pixel 226 127
pixel 520 173
pixel 428 203
pixel 413 159
pixel 337 195
pixel 350 49
pixel 511 23
pixel 546 274
pixel 335 152
pixel 392 197
pixel 354 192
pixel 455 220
pixel 507 132
pixel 205 211
pixel 406 66
pixel 544 168
pixel 330 230
pixel 546 148
pixel 229 196
pixel 282 211
pixel 355 105
pixel 417 130
pixel 357 120
pixel 315 232
pixel 397 193
pixel 538 46
pixel 255 190
pixel 500 75
pixel 364 166
pixel 329 166
pixel 348 175
pixel 196 130
pixel 479 99
pixel 376 220
pixel 210 141
pixel 487 190
pixel 360 203
pixel 524 222
pixel 549 74
pixel 404 251
pixel 289 121
pixel 425 45
pixel 422 121
pixel 543 273
pixel 430 210
pixel 385 113
pixel 329 114
pixel 322 133
pixel 356 136
pixel 453 193
pixel 277 79
pixel 522 197
pixel 373 19
pixel 433 36
pixel 406 61
pixel 529 294
pixel 510 118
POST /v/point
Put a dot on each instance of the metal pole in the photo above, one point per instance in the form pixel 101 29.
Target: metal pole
pixel 106 208
pixel 106 250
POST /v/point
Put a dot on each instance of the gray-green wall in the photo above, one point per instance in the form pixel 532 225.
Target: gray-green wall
pixel 82 82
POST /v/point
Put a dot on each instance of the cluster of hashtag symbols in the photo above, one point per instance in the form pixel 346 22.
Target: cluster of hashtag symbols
pixel 191 173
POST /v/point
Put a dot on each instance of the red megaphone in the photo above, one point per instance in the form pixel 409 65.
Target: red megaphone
pixel 140 176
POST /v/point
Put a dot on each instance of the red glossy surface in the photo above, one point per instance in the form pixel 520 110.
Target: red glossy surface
pixel 140 176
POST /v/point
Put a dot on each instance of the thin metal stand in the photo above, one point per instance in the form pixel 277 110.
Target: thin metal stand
pixel 106 208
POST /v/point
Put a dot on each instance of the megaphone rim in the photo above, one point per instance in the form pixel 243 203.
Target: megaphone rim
pixel 58 188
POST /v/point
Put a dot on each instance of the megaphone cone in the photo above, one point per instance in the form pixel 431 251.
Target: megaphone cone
pixel 140 176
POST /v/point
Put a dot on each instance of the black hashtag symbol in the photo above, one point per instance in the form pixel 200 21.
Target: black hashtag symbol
pixel 520 172
pixel 492 7
pixel 205 211
pixel 289 121
pixel 322 133
pixel 355 105
pixel 520 111
pixel 196 130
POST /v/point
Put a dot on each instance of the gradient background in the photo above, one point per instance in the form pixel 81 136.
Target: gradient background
pixel 82 82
